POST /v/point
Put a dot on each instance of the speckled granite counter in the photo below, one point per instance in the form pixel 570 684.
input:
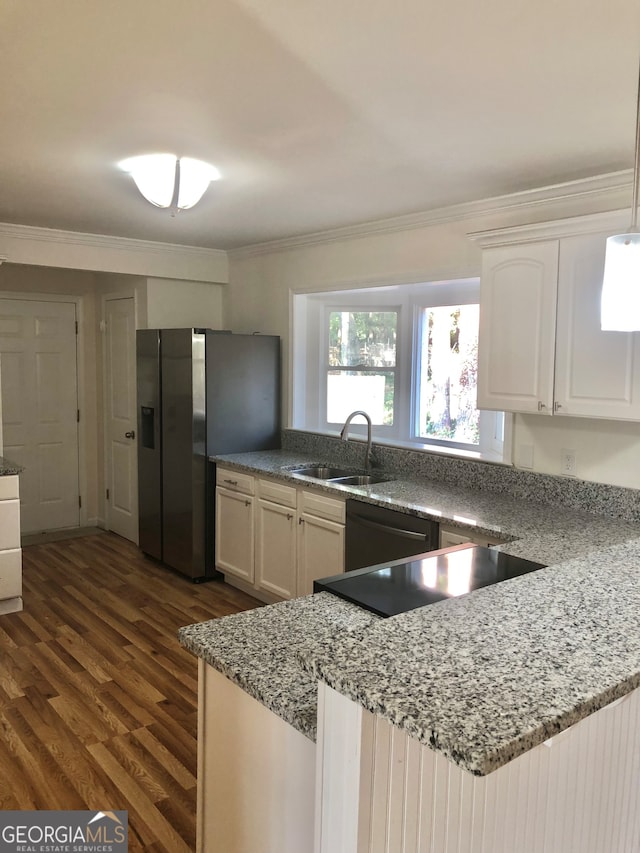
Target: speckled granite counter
pixel 258 650
pixel 7 467
pixel 534 530
pixel 481 678
pixel 487 676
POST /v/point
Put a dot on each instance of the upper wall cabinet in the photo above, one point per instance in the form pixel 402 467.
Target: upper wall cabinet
pixel 517 327
pixel 541 348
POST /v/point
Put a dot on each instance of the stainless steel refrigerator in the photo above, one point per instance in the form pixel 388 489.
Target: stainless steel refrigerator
pixel 200 392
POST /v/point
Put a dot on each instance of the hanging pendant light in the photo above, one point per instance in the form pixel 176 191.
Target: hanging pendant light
pixel 168 181
pixel 620 303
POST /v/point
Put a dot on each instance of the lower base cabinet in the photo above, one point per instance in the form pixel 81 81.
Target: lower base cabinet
pixel 275 549
pixel 320 550
pixel 10 550
pixel 234 550
pixel 457 536
pixel 273 540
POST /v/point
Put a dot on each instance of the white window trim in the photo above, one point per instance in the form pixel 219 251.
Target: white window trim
pixel 309 336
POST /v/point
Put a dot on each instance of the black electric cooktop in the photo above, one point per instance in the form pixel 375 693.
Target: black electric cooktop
pixel 392 588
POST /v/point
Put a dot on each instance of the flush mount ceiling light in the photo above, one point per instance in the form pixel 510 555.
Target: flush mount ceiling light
pixel 620 304
pixel 168 181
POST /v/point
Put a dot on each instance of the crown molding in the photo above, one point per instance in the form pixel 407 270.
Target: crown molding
pixel 24 244
pixel 583 189
pixel 614 221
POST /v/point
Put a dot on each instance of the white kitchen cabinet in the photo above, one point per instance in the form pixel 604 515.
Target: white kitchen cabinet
pixel 272 539
pixel 597 373
pixel 275 548
pixel 10 550
pixel 450 536
pixel 320 539
pixel 540 346
pixel 235 524
pixel 518 290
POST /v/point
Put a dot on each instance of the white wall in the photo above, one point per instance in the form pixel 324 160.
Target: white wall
pixel 182 304
pixel 261 282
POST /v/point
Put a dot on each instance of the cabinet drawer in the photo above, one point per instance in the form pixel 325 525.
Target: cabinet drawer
pixel 277 493
pixel 312 503
pixel 234 481
pixel 10 573
pixel 9 487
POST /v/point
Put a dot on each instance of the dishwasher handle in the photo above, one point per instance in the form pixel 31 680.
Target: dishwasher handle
pixel 396 531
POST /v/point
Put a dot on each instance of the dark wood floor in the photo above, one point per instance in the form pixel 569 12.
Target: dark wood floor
pixel 98 702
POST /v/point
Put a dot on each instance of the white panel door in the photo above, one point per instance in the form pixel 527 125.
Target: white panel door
pixel 120 443
pixel 40 409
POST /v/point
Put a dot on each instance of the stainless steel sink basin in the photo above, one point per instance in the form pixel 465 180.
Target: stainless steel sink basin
pixel 358 480
pixel 322 472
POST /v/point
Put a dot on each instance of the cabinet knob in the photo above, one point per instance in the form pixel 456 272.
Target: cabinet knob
pixel 301 521
pixel 130 434
pixel 247 503
pixel 231 482
pixel 289 516
pixel 541 406
pixel 557 406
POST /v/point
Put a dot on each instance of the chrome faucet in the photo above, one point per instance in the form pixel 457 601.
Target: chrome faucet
pixel 344 435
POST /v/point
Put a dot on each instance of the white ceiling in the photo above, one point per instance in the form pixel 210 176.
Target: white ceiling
pixel 318 114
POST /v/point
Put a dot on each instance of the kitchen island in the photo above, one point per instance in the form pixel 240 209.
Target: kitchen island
pixel 494 721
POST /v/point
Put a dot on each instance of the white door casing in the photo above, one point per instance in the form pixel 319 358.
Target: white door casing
pixel 38 358
pixel 121 459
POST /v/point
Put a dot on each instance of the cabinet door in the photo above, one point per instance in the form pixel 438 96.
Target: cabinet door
pixel 234 534
pixel 276 549
pixel 517 327
pixel 320 551
pixel 597 373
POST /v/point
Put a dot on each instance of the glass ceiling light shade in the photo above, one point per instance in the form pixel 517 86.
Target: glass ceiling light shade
pixel 620 301
pixel 168 181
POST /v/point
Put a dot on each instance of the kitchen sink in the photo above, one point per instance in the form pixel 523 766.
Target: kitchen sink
pixel 359 480
pixel 322 472
pixel 340 476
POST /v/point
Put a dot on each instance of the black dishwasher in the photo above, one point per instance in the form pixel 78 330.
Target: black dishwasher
pixel 375 534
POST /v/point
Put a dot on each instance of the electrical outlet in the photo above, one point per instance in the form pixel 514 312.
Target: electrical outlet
pixel 568 463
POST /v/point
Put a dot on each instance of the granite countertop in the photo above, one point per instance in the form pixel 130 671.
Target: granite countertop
pixel 533 530
pixel 258 650
pixel 7 467
pixel 485 677
pixel 481 678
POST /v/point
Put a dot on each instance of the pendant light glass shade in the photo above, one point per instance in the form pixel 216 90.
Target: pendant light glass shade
pixel 620 305
pixel 620 302
pixel 168 181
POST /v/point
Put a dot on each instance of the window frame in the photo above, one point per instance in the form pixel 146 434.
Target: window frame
pixel 382 430
pixel 310 364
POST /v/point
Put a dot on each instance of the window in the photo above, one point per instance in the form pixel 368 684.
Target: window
pixel 446 386
pixel 406 354
pixel 361 364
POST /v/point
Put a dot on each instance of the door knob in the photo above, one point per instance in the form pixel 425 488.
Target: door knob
pixel 131 434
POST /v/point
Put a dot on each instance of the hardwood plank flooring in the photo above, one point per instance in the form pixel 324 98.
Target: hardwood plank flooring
pixel 98 701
